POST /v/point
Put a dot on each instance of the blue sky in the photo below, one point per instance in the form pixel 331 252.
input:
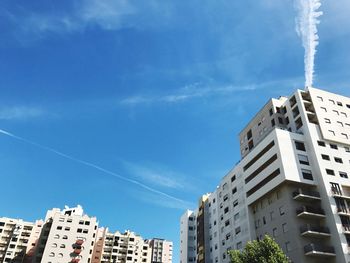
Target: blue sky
pixel 154 92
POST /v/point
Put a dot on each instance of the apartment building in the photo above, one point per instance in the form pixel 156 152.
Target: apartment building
pixel 125 247
pixel 291 183
pixel 162 250
pixel 69 235
pixel 18 239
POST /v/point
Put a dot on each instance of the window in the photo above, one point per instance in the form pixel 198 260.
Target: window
pixel 332 101
pixel 62 246
pixel 327 120
pixel 281 209
pixel 284 227
pixel 340 123
pixel 306 174
pixel 67 228
pixel 79 230
pixel 332 132
pixel 336 112
pixel 56 236
pixel 235 203
pixel 347 149
pixel 300 146
pixel 345 136
pixel 324 109
pixel 234 190
pixel 226 210
pixel 273 122
pixel 325 157
pixel 321 143
pixel 238 230
pixel 303 159
pixel 272 215
pixel 333 146
pixel 239 245
pixel 343 114
pixel 226 197
pixel 319 98
pixel 338 160
pixel 330 172
pixel 59 227
pixel 51 254
pixel 54 245
pixel 274 232
pixel 233 178
pixel 280 120
pixel 227 222
pixel 236 217
pixel 343 174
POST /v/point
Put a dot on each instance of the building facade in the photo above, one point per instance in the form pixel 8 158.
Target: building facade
pixel 291 183
pixel 69 235
pixel 162 250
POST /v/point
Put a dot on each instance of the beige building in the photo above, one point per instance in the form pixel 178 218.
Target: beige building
pixel 291 183
pixel 162 250
pixel 125 247
pixel 69 235
pixel 18 239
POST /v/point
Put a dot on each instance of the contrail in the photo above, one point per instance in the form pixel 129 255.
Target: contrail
pixel 307 22
pixel 148 188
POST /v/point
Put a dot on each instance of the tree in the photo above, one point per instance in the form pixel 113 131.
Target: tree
pixel 263 251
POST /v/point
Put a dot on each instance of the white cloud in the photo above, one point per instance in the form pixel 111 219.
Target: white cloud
pixel 198 90
pixel 20 113
pixel 157 175
pixel 106 14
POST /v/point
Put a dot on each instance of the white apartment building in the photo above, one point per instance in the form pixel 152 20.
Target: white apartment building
pixel 125 247
pixel 69 235
pixel 162 250
pixel 291 183
pixel 18 239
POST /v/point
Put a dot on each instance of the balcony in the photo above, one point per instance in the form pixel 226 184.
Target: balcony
pixel 310 212
pixel 346 229
pixel 314 231
pixel 336 193
pixel 319 250
pixel 306 195
pixel 342 211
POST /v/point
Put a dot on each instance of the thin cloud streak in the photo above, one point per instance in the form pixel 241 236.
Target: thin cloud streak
pixel 20 113
pixel 156 175
pixel 198 90
pixel 97 167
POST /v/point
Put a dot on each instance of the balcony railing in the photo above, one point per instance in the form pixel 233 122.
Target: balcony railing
pixel 314 231
pixel 319 250
pixel 301 194
pixel 309 211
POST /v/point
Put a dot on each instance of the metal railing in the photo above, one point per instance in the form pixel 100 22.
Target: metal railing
pixel 306 192
pixel 320 229
pixel 319 248
pixel 310 209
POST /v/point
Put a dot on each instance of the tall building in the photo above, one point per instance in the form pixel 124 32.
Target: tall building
pixel 69 235
pixel 291 183
pixel 162 250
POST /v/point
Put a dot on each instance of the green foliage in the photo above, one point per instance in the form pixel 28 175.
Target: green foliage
pixel 263 251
